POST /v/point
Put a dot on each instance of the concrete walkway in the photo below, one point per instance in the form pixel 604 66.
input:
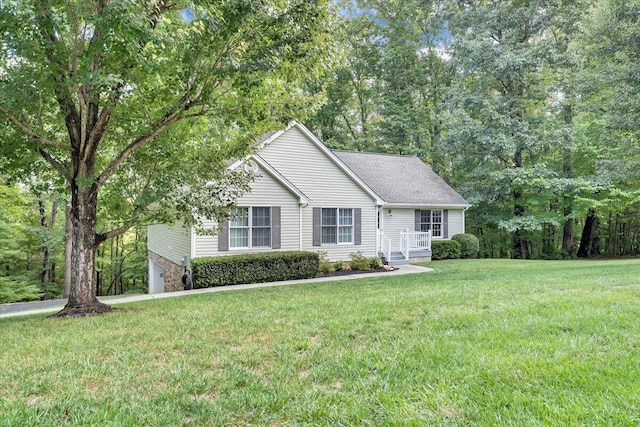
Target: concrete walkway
pixel 51 306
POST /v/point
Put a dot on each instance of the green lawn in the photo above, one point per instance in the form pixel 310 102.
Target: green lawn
pixel 491 342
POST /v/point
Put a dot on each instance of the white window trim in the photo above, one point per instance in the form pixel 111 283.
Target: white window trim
pixel 337 227
pixel 250 227
pixel 431 223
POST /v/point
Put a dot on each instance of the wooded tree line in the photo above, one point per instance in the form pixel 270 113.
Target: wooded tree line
pixel 529 108
pixel 32 248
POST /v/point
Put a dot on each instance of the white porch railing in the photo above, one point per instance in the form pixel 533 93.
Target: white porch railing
pixel 385 245
pixel 414 240
pixel 409 241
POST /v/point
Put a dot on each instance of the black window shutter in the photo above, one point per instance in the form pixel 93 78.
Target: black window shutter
pixel 445 224
pixel 418 218
pixel 317 226
pixel 275 227
pixel 357 226
pixel 223 236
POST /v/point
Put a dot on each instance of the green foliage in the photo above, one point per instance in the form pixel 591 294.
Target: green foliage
pixel 141 288
pixel 253 268
pixel 26 231
pixel 18 288
pixel 324 265
pixel 375 263
pixel 387 94
pixel 338 265
pixel 122 264
pixel 445 249
pixel 139 109
pixel 359 262
pixel 469 245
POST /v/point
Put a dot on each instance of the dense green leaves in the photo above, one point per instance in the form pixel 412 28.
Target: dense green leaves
pixel 528 108
pixel 133 102
pixel 254 268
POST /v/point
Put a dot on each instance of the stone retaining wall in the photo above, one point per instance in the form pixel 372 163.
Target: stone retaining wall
pixel 172 272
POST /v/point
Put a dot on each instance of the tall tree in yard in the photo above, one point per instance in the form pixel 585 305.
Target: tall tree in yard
pixel 497 127
pixel 346 117
pixel 143 100
pixel 387 96
pixel 610 93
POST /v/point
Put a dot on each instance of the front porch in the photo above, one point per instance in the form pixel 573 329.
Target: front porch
pixel 412 245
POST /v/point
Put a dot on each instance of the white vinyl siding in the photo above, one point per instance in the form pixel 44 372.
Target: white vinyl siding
pixel 404 218
pixel 326 185
pixel 266 191
pixel 456 222
pixel 169 241
pixel 400 219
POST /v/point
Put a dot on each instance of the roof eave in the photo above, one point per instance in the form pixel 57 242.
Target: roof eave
pixel 302 198
pixel 431 205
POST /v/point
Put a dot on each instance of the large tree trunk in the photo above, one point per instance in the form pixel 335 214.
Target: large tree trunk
pixel 82 295
pixel 589 240
pixel 567 231
pixel 567 234
pixel 68 230
pixel 567 169
pixel 520 244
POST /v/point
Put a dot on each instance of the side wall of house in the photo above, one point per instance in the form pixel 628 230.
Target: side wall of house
pixel 171 242
pixel 327 186
pixel 403 218
pixel 265 191
pixel 456 222
pixel 167 245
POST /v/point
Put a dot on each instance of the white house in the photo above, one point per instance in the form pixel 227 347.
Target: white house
pixel 310 198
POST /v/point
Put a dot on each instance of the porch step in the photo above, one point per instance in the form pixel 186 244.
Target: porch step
pixel 397 258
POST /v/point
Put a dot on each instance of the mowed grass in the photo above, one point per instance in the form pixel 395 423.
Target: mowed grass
pixel 482 342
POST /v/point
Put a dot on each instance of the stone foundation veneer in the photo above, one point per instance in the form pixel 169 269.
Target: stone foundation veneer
pixel 172 272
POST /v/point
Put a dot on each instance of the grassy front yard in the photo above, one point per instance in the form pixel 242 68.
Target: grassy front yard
pixel 491 342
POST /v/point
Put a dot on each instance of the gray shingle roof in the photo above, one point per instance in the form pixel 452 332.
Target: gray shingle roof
pixel 400 179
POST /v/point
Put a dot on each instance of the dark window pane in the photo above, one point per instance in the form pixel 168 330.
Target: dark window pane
pixel 329 234
pixel 346 216
pixel 261 217
pixel 261 237
pixel 240 218
pixel 329 216
pixel 345 234
pixel 239 237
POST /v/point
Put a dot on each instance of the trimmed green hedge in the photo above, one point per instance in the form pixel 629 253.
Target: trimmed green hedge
pixel 445 249
pixel 469 245
pixel 253 268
